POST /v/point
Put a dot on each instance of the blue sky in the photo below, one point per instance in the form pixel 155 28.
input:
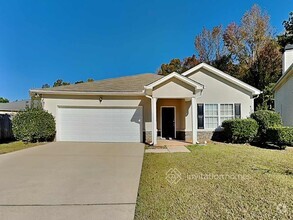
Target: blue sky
pixel 42 41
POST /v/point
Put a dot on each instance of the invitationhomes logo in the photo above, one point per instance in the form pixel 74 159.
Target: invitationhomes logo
pixel 174 176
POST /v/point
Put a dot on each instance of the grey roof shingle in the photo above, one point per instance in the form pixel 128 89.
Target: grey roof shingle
pixel 15 106
pixel 133 83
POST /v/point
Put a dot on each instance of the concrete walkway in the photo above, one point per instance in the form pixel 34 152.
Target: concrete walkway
pixel 169 149
pixel 64 180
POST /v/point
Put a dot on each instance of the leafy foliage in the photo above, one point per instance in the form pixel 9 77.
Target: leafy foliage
pixel 34 125
pixel 252 46
pixel 240 130
pixel 209 44
pixel 266 119
pixel 60 82
pixel 250 52
pixel 246 50
pixel 176 65
pixel 3 100
pixel 45 86
pixel 266 99
pixel 287 36
pixel 281 136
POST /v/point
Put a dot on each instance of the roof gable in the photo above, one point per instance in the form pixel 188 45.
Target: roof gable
pixel 223 75
pixel 177 76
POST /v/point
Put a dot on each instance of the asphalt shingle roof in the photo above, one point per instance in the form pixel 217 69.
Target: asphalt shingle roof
pixel 15 106
pixel 133 83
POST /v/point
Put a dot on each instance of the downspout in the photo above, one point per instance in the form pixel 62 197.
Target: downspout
pixel 254 97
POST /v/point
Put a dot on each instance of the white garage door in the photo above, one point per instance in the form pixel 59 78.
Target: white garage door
pixel 99 124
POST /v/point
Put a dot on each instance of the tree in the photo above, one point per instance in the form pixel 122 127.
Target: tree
pixel 209 44
pixel 287 36
pixel 188 63
pixel 45 86
pixel 176 65
pixel 3 100
pixel 254 50
pixel 90 80
pixel 77 82
pixel 173 66
pixel 60 82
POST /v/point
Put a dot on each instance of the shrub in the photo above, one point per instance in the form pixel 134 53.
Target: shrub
pixel 240 130
pixel 280 136
pixel 265 119
pixel 33 124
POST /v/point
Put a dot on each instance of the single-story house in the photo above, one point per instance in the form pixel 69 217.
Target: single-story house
pixel 145 107
pixel 284 88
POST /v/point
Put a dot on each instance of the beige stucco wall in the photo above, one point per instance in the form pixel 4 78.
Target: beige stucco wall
pixel 173 88
pixel 51 103
pixel 284 102
pixel 220 91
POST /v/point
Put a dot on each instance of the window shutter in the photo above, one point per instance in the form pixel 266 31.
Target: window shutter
pixel 237 110
pixel 200 116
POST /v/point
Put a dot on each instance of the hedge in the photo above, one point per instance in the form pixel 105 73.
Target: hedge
pixel 240 130
pixel 266 119
pixel 34 125
pixel 280 136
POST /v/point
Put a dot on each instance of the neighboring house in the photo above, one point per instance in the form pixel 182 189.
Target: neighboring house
pixel 284 88
pixel 12 108
pixel 145 107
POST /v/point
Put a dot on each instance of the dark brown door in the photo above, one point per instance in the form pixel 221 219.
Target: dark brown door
pixel 168 122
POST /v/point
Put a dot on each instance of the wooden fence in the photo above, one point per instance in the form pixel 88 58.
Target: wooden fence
pixel 5 127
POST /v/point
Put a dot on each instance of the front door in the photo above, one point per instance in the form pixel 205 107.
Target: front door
pixel 168 122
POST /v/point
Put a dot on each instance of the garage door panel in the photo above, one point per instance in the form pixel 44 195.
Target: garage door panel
pixel 100 124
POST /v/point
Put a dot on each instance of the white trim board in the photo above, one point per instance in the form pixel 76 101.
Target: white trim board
pixel 177 76
pixel 220 73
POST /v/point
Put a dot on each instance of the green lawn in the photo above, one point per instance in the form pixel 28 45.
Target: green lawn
pixel 16 145
pixel 252 183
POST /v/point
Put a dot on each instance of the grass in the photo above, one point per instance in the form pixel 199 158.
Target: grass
pixel 255 184
pixel 15 146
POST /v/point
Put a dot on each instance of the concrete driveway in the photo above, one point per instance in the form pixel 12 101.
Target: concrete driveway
pixel 66 180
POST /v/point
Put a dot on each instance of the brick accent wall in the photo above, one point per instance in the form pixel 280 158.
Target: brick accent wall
pixel 147 136
pixel 203 136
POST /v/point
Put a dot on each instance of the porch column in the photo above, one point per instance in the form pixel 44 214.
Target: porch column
pixel 194 120
pixel 154 120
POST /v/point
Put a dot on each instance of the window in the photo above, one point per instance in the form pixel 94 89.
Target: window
pixel 226 112
pixel 200 116
pixel 237 108
pixel 211 115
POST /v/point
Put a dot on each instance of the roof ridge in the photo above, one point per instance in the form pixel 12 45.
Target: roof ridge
pixel 101 80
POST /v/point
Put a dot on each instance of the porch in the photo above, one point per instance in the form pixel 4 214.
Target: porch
pixel 173 108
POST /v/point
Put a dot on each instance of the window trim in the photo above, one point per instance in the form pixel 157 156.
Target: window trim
pixel 210 116
pixel 233 112
pixel 219 113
